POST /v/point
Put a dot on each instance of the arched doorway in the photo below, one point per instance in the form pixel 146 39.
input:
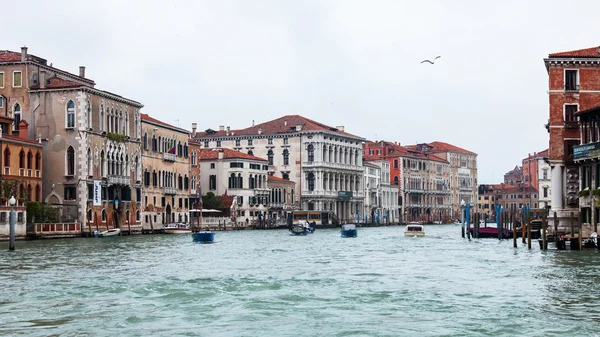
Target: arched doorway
pixel 168 213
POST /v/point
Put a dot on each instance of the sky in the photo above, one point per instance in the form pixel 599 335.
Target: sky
pixel 350 63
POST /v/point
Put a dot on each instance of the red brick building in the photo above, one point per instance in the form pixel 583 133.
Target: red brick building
pixel 574 85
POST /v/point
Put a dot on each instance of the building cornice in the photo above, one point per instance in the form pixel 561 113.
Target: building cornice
pixel 95 91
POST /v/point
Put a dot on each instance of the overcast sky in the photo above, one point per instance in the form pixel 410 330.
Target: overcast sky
pixel 351 63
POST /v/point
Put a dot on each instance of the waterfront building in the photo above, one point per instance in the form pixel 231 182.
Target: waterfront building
pixel 90 137
pixel 587 156
pixel 281 198
pixel 165 159
pixel 324 162
pixel 381 197
pixel 486 203
pixel 194 155
pixel 372 203
pixel 241 175
pixel 423 180
pixel 544 183
pixel 514 176
pixel 573 86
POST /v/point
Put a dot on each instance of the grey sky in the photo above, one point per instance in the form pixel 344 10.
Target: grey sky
pixel 351 63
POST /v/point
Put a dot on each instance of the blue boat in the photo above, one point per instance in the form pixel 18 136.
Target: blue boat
pixel 349 231
pixel 204 237
pixel 301 229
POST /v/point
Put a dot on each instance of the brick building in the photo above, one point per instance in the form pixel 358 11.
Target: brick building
pixel 573 86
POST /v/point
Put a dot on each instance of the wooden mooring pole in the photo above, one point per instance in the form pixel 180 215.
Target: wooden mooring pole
pixel 523 225
pixel 528 231
pixel 544 227
pixel 580 225
pixel 572 225
pixel 514 231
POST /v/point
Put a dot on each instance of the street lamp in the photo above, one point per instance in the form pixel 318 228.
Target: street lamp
pixel 11 203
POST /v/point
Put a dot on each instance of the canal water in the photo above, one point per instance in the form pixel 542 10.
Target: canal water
pixel 267 283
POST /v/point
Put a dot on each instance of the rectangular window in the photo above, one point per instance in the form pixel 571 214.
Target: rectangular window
pixel 218 143
pixel 2 79
pixel 180 202
pixel 17 80
pixel 1 102
pixel 270 141
pixel 571 80
pixel 237 142
pixel 395 163
pixel 545 192
pixel 162 201
pixel 212 165
pixel 285 141
pixel 70 193
pixel 250 142
pixel 570 110
pixel 206 144
pixel 212 182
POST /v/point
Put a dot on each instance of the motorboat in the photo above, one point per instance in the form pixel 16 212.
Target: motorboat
pixel 108 233
pixel 414 230
pixel 301 228
pixel 204 237
pixel 349 231
pixel 176 228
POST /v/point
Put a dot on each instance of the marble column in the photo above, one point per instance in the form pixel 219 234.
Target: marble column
pixel 557 187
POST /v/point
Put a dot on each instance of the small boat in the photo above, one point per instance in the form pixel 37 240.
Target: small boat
pixel 176 228
pixel 414 230
pixel 107 233
pixel 204 237
pixel 349 231
pixel 301 229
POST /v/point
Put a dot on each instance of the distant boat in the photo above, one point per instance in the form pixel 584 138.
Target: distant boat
pixel 107 233
pixel 177 228
pixel 301 228
pixel 414 230
pixel 204 237
pixel 349 231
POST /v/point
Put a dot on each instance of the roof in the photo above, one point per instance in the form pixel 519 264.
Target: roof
pixel 12 56
pixel 277 179
pixel 59 83
pixel 407 151
pixel 589 111
pixel 368 163
pixel 445 147
pixel 588 52
pixel 19 139
pixel 147 118
pixel 213 154
pixel 537 155
pixel 282 125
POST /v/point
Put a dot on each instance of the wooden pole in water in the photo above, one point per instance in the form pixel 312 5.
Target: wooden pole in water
pixel 580 230
pixel 478 224
pixel 523 225
pixel 544 227
pixel 499 229
pixel 514 233
pixel 528 231
pixel 468 225
pixel 572 225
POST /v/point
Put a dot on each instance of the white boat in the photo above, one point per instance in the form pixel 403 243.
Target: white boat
pixel 176 228
pixel 107 233
pixel 414 230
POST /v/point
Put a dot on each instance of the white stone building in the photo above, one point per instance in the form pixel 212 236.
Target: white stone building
pixel 325 162
pixel 544 181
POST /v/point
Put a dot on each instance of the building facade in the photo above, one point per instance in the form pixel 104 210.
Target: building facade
pixel 243 176
pixel 281 198
pixel 324 162
pixel 166 182
pixel 90 137
pixel 544 182
pixel 573 86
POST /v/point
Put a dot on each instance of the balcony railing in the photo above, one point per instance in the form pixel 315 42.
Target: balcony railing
pixel 170 190
pixel 571 87
pixel 118 180
pixel 169 156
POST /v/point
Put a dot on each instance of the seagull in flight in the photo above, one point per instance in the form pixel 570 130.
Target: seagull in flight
pixel 432 62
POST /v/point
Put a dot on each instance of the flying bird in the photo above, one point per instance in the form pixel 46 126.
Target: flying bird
pixel 432 62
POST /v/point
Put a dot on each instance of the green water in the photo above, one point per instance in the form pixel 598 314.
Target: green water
pixel 268 283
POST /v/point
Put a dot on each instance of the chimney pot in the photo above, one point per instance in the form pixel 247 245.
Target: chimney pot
pixel 42 79
pixel 284 123
pixel 341 128
pixel 194 126
pixel 221 127
pixel 82 71
pixel 23 129
pixel 220 155
pixel 23 54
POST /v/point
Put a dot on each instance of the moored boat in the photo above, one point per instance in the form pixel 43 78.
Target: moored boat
pixel 301 228
pixel 204 237
pixel 349 231
pixel 108 233
pixel 414 230
pixel 176 228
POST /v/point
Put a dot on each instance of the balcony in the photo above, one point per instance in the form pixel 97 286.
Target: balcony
pixel 331 165
pixel 170 190
pixel 569 87
pixel 169 157
pixel 118 180
pixel 276 205
pixel 586 151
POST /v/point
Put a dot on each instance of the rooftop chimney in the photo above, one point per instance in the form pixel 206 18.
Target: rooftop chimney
pixel 299 127
pixel 259 131
pixel 221 155
pixel 228 129
pixel 23 127
pixel 194 126
pixel 23 54
pixel 341 128
pixel 284 123
pixel 221 127
pixel 82 71
pixel 253 122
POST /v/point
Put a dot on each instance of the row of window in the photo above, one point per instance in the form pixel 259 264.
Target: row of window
pixel 17 79
pixel 166 179
pixel 165 145
pixel 182 202
pixel 249 142
pixel 25 161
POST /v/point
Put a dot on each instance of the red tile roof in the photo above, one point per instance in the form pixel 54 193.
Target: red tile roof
pixel 395 151
pixel 445 147
pixel 277 179
pixel 588 52
pixel 212 154
pixel 9 56
pixel 19 139
pixel 285 124
pixel 146 117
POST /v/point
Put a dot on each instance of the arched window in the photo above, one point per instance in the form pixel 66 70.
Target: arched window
pixel 270 156
pixel 90 163
pixel 38 197
pixel 101 118
pixel 311 153
pixel 70 114
pixel 21 191
pixel 102 164
pixel 22 159
pixel 70 161
pixel 250 152
pixel 89 114
pixel 324 152
pixel 17 116
pixel 311 181
pixel 29 194
pixel 137 216
pixel 29 160
pixel 292 196
pixel 154 178
pixel 286 157
pixel 145 141
pixel 186 183
pixel 395 180
pixel 38 160
pixel 103 215
pixel 232 181
pixel 286 176
pixel 240 182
